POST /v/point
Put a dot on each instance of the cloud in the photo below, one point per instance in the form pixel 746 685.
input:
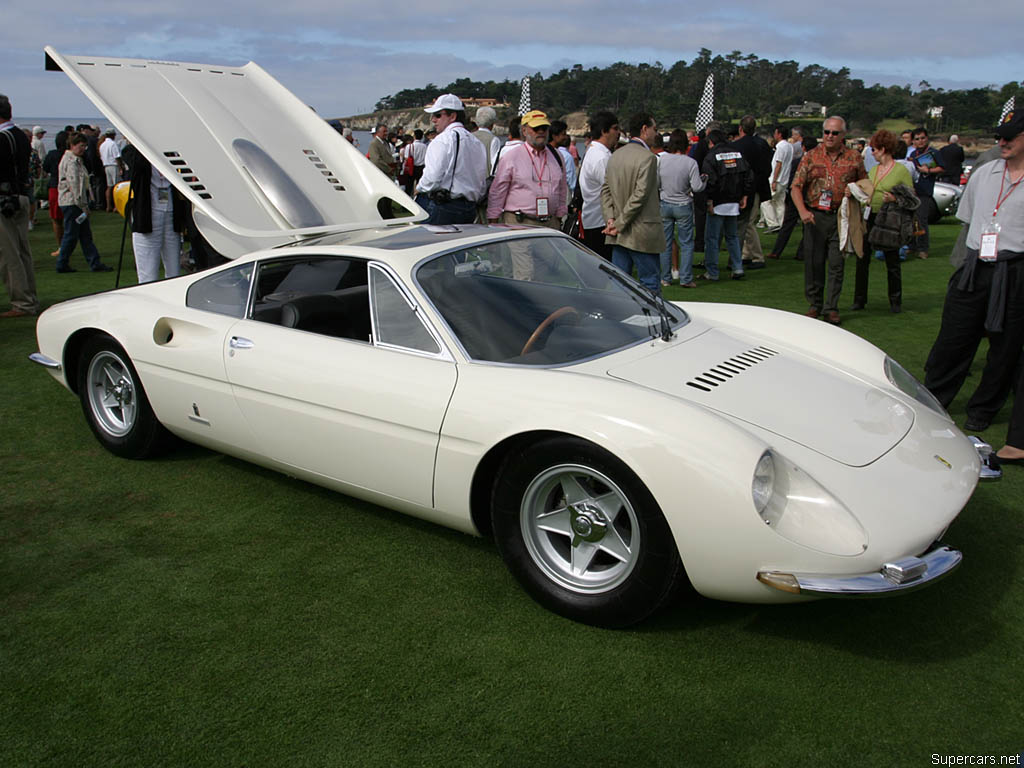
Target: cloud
pixel 342 57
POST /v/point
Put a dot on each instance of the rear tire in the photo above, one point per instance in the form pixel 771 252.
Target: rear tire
pixel 582 534
pixel 114 402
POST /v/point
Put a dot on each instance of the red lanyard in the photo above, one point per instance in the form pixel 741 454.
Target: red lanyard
pixel 543 167
pixel 1000 198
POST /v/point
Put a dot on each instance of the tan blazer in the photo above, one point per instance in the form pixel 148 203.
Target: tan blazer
pixel 630 196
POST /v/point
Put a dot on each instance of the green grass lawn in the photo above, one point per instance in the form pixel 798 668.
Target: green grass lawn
pixel 196 610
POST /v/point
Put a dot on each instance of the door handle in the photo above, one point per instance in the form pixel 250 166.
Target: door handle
pixel 237 342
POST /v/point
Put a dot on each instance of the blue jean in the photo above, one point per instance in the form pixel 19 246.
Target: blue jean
pixel 680 219
pixel 646 266
pixel 461 211
pixel 712 232
pixel 73 232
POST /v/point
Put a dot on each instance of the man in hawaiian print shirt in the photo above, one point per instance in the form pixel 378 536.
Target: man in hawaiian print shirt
pixel 817 191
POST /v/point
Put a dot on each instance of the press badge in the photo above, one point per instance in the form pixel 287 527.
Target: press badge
pixel 542 207
pixel 989 242
pixel 825 201
pixel 162 194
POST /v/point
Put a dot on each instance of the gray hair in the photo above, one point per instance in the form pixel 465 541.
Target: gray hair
pixel 797 130
pixel 834 117
pixel 954 139
pixel 485 117
pixel 346 132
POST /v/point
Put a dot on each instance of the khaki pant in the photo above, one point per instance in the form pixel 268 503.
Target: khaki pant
pixel 522 259
pixel 16 260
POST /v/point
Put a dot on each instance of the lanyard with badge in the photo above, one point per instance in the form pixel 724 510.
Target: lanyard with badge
pixel 542 202
pixel 825 200
pixel 990 235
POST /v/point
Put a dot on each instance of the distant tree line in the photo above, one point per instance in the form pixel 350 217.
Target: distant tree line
pixel 744 83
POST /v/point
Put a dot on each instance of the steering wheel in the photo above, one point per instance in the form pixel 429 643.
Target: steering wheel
pixel 560 312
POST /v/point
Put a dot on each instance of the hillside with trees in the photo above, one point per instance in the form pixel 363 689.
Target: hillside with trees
pixel 744 83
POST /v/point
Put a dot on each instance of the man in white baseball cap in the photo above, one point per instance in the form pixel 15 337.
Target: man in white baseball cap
pixel 455 167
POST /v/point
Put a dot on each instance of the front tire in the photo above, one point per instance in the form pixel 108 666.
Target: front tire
pixel 114 402
pixel 582 534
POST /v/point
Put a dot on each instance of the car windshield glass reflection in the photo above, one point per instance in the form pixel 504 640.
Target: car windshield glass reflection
pixel 541 301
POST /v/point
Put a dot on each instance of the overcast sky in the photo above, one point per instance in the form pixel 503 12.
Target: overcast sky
pixel 341 57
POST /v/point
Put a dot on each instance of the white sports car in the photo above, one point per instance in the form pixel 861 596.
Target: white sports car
pixel 501 381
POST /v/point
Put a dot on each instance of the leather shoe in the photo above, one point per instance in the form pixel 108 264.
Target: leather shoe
pixel 690 284
pixel 737 275
pixel 813 313
pixel 857 305
pixel 65 270
pixel 976 424
pixel 14 313
pixel 833 318
pixel 999 460
pixel 102 268
pixel 755 265
pixel 771 256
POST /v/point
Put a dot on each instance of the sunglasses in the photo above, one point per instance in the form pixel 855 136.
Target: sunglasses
pixel 831 133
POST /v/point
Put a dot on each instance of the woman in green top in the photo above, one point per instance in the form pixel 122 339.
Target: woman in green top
pixel 884 176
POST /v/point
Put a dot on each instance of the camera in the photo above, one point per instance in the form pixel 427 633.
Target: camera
pixel 9 202
pixel 440 196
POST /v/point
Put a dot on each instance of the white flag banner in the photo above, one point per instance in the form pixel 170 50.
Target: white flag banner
pixel 524 98
pixel 706 109
pixel 1007 108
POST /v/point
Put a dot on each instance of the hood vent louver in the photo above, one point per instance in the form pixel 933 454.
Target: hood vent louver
pixel 728 369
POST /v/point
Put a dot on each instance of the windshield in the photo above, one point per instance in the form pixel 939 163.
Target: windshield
pixel 541 301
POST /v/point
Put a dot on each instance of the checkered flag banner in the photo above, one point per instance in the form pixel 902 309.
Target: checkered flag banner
pixel 1007 108
pixel 524 98
pixel 706 110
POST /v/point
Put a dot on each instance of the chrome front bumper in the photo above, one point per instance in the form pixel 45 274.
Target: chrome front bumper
pixel 899 576
pixel 990 470
pixel 43 360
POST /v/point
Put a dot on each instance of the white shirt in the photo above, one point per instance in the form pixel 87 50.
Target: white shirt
pixel 469 178
pixel 109 153
pixel 783 154
pixel 419 152
pixel 39 147
pixel 570 169
pixel 592 171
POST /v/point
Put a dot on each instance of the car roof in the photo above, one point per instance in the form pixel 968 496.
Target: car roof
pixel 259 167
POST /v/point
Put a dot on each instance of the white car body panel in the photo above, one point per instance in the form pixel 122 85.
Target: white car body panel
pixel 240 203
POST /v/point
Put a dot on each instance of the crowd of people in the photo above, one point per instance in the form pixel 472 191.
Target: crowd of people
pixel 645 202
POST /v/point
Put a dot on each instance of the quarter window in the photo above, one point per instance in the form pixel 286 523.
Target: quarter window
pixel 395 321
pixel 226 292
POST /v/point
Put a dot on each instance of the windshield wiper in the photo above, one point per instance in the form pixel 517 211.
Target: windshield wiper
pixel 649 297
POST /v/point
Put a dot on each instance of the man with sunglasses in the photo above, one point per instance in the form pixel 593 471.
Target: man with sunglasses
pixel 817 192
pixel 455 166
pixel 985 296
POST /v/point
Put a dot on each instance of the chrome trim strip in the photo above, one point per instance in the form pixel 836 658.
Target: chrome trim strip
pixel 935 563
pixel 43 360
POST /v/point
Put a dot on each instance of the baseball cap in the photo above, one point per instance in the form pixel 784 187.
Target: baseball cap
pixel 36 130
pixel 535 119
pixel 446 101
pixel 1011 125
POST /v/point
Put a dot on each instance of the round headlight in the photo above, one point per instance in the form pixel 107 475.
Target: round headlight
pixel 900 378
pixel 763 484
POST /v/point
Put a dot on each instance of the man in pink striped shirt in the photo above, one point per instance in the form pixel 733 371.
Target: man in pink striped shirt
pixel 529 182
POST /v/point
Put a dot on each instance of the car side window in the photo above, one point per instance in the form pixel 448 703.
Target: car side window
pixel 226 292
pixel 395 321
pixel 319 294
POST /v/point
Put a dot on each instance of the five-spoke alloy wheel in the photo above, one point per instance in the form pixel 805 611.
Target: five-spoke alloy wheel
pixel 582 534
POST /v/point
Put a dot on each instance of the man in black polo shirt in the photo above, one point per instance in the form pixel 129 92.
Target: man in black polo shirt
pixel 15 186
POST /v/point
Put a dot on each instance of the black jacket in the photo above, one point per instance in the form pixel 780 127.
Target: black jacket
pixel 141 203
pixel 14 150
pixel 729 175
pixel 758 155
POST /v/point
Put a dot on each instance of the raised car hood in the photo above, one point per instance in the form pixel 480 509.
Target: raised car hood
pixel 782 392
pixel 260 167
